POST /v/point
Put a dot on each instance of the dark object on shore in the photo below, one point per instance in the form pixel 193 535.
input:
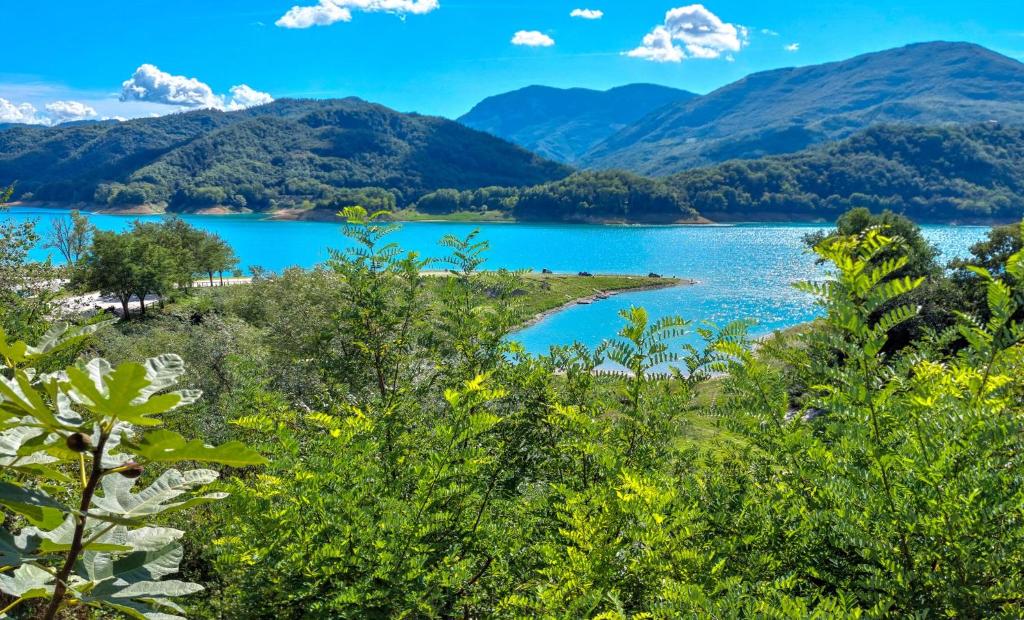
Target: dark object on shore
pixel 653 275
pixel 547 271
pixel 586 274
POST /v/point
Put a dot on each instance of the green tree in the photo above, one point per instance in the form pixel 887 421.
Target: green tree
pixel 71 238
pixel 125 265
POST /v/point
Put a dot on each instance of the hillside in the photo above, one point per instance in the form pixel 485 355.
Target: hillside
pixel 951 174
pixel 973 173
pixel 563 124
pixel 787 110
pixel 326 153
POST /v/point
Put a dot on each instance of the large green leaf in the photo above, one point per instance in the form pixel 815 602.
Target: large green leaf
pixel 16 550
pixel 131 584
pixel 128 392
pixel 35 505
pixel 168 446
pixel 19 398
pixel 119 500
pixel 28 581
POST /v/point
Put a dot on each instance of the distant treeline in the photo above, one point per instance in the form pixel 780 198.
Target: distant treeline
pixel 945 173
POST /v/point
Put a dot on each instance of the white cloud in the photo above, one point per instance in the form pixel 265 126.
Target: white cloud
pixel 532 38
pixel 67 111
pixel 658 47
pixel 323 14
pixel 587 13
pixel 691 32
pixel 55 113
pixel 793 47
pixel 243 97
pixel 152 85
pixel 329 12
pixel 769 32
pixel 20 113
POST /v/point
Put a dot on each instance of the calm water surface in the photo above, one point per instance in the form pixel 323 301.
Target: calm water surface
pixel 742 271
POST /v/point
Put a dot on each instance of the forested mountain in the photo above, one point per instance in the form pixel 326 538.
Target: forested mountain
pixel 930 173
pixel 938 174
pixel 787 110
pixel 563 124
pixel 275 155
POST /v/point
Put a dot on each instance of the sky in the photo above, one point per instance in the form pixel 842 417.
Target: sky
pixel 67 60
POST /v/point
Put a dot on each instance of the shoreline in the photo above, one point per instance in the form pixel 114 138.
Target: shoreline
pixel 600 296
pixel 723 220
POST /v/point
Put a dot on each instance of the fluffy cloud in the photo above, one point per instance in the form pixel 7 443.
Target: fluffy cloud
pixel 691 32
pixel 151 84
pixel 244 97
pixel 532 38
pixel 793 47
pixel 323 14
pixel 20 113
pixel 329 12
pixel 66 111
pixel 55 113
pixel 587 14
pixel 658 47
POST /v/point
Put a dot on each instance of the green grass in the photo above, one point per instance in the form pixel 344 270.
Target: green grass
pixel 546 292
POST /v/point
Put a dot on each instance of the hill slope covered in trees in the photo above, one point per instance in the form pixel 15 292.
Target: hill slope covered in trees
pixel 786 110
pixel 563 124
pixel 327 152
pixel 969 173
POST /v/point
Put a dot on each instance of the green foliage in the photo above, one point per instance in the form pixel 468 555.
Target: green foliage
pixel 931 174
pixel 25 294
pixel 77 532
pixel 332 153
pixel 423 465
pixel 584 196
pixel 152 258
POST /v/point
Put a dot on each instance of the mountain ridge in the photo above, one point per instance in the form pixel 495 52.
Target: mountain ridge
pixel 563 123
pixel 784 110
pixel 290 150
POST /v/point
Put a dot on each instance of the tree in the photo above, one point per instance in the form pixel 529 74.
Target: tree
pixel 125 265
pixel 71 238
pixel 937 299
pixel 25 286
pixel 214 255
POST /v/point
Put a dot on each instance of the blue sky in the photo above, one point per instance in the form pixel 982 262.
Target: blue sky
pixel 436 56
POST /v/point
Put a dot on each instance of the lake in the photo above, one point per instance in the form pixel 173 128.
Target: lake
pixel 743 271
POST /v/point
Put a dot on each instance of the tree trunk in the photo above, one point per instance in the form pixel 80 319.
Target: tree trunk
pixel 142 304
pixel 211 279
pixel 222 278
pixel 124 307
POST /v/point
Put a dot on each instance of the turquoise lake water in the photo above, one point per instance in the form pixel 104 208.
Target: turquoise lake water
pixel 744 271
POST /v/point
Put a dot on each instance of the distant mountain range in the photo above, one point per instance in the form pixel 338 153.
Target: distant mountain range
pixel 277 155
pixel 936 132
pixel 563 124
pixel 768 113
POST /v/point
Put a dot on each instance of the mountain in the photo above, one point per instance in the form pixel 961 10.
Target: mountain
pixel 949 173
pixel 563 124
pixel 290 152
pixel 786 110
